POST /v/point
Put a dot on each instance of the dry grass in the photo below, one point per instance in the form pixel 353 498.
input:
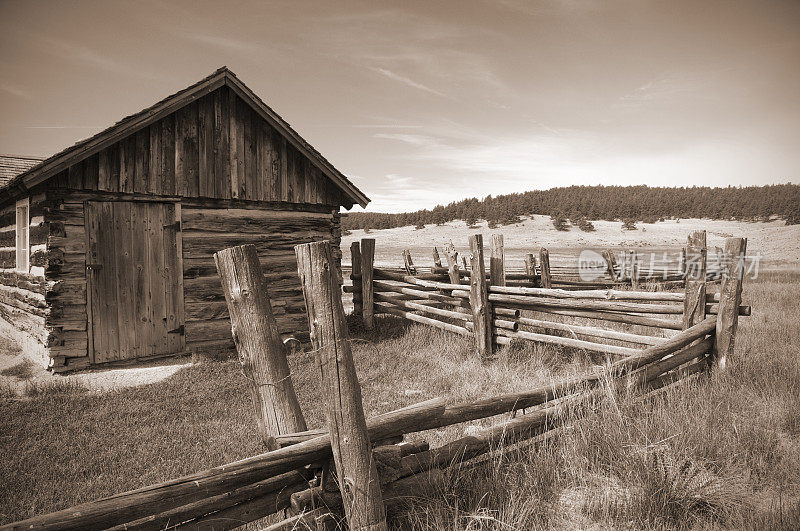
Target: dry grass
pixel 712 452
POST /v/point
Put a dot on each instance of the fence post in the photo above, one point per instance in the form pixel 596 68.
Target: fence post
pixel 611 263
pixel 497 268
pixel 694 305
pixel 544 265
pixel 437 260
pixel 730 296
pixel 359 483
pixel 530 265
pixel 367 300
pixel 355 277
pixel 410 269
pixel 452 263
pixel 261 351
pixel 479 299
pixel 634 270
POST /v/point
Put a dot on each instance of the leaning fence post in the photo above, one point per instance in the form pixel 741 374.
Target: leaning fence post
pixel 452 263
pixel 359 483
pixel 437 260
pixel 611 264
pixel 694 304
pixel 410 269
pixel 367 264
pixel 730 296
pixel 261 351
pixel 479 299
pixel 544 265
pixel 355 277
pixel 497 271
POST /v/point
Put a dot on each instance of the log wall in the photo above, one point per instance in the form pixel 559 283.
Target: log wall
pixel 66 274
pixel 22 294
pixel 274 233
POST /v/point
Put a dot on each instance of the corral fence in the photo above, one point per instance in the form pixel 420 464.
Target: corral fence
pixel 497 305
pixel 356 469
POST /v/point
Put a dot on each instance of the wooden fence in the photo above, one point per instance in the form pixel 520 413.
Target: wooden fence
pixel 490 306
pixel 375 467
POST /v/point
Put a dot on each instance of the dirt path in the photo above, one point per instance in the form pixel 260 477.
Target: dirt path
pixel 20 374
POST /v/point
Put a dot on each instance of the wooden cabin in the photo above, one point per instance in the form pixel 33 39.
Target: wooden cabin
pixel 107 250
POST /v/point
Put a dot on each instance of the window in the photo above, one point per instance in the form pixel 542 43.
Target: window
pixel 23 237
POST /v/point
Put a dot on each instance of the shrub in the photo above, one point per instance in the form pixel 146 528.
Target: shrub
pixel 629 224
pixel 560 223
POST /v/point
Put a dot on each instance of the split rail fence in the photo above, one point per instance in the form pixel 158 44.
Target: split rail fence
pixel 497 305
pixel 364 467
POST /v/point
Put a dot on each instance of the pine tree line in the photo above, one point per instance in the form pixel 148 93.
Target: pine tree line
pixel 630 203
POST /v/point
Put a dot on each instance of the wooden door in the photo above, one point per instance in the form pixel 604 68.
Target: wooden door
pixel 134 280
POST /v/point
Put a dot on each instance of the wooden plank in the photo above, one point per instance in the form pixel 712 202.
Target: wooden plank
pixel 127 164
pixel 125 278
pixel 272 145
pixel 141 286
pixel 92 257
pixel 156 223
pixel 104 170
pixel 236 146
pixel 205 142
pixel 143 176
pixel 180 311
pixel 155 177
pixel 186 152
pixel 222 166
pixel 252 189
pixel 167 184
pixel 171 272
pixel 90 172
pixel 283 168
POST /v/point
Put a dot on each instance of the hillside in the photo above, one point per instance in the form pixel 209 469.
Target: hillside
pixel 776 243
pixel 635 203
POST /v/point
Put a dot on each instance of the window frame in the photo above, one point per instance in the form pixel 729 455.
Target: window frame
pixel 23 230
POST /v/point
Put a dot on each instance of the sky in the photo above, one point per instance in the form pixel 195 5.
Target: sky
pixel 424 103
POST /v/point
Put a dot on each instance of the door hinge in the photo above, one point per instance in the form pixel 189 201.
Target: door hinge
pixel 176 226
pixel 180 330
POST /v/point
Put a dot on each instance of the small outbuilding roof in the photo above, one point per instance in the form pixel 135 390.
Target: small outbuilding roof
pixel 13 165
pixel 34 173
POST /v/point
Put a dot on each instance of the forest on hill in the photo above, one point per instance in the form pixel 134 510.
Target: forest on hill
pixel 578 204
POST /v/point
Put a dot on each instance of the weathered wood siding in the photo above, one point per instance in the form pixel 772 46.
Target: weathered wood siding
pixel 216 147
pixel 22 294
pixel 274 233
pixel 237 181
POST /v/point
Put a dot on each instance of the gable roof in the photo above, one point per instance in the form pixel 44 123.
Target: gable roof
pixel 32 176
pixel 13 165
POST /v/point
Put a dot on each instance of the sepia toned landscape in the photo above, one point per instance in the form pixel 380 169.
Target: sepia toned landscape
pixel 483 266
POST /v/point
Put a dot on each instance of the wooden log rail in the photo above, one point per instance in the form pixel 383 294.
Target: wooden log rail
pixel 269 475
pixel 437 296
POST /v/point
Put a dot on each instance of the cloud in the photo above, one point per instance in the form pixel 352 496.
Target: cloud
pixel 408 81
pixel 414 140
pixel 16 91
pixel 80 54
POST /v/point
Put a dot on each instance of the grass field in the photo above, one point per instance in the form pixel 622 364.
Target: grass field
pixel 715 452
